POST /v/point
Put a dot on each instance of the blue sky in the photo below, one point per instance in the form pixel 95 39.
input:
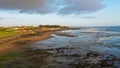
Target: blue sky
pixel 107 15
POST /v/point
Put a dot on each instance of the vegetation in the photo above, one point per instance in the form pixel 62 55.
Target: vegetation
pixel 16 30
pixel 8 31
pixel 50 26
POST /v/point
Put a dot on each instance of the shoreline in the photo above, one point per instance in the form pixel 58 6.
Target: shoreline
pixel 16 43
pixel 72 54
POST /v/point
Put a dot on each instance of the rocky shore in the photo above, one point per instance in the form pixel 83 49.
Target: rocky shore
pixel 61 49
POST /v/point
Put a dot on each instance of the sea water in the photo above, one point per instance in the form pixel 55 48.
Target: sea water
pixel 104 40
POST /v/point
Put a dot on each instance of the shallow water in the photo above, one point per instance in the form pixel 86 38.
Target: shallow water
pixel 104 40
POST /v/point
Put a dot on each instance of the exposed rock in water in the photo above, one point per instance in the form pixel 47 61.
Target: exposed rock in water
pixel 96 60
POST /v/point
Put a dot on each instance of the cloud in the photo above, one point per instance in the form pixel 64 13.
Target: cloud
pixel 40 6
pixel 81 6
pixel 52 6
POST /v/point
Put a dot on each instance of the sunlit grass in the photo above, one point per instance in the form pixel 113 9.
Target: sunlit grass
pixel 7 34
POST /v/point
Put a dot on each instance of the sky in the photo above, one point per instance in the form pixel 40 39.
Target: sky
pixel 60 12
